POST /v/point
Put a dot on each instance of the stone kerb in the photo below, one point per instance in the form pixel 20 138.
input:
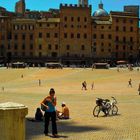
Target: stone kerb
pixel 12 121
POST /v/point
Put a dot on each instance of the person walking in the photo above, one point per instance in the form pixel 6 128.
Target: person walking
pixel 130 83
pixel 139 89
pixel 92 85
pixel 50 113
pixel 39 82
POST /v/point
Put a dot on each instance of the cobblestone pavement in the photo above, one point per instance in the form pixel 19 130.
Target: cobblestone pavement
pixel 82 125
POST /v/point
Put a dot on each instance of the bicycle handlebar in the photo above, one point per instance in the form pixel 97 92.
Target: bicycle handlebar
pixel 114 99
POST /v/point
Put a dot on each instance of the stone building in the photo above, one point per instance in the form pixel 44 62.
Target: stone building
pixel 20 7
pixel 71 34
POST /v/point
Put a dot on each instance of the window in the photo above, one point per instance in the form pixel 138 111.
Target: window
pixel 56 35
pixel 131 47
pixel 124 21
pixel 31 46
pixel 102 44
pixel 65 25
pixel 49 46
pixel 117 47
pixel 23 27
pixel 78 19
pixel 48 25
pixel 124 28
pixel 85 26
pixel 40 35
pixel 102 36
pixel 83 55
pixel 94 36
pixel 9 35
pixel 2 37
pixel 94 49
pixel 15 37
pixel 124 47
pixel 68 47
pixel 109 36
pixel 72 18
pixel 95 27
pixel 109 50
pixel 78 35
pixel 109 27
pixel 131 29
pixel 117 38
pixel 31 53
pixel 16 53
pixel 85 19
pixel 40 54
pixel 95 43
pixel 65 18
pixel 23 37
pixel 9 47
pixel 56 47
pixel 23 53
pixel 65 35
pixel 16 27
pixel 23 46
pixel 68 54
pixel 85 36
pixel 48 35
pixel 2 20
pixel 40 47
pixel 102 50
pixel 72 26
pixel 124 39
pixel 131 21
pixel 109 44
pixel 124 55
pixel 116 54
pixel 117 20
pixel 31 36
pixel 82 47
pixel 15 46
pixel 102 27
pixel 72 35
pixel 40 24
pixel 31 27
pixel 117 28
pixel 131 39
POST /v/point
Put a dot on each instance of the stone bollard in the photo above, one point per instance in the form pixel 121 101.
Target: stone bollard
pixel 12 121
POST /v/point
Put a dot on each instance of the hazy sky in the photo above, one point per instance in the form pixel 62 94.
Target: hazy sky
pixel 109 5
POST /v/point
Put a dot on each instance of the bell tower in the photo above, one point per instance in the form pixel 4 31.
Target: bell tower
pixel 83 2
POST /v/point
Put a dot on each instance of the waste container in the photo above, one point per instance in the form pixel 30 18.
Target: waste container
pixel 12 121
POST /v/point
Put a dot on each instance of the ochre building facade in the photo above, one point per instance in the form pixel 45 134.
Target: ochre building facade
pixel 70 35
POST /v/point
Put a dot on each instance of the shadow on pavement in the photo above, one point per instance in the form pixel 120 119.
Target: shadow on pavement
pixel 36 128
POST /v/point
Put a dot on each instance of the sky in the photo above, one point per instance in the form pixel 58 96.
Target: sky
pixel 43 5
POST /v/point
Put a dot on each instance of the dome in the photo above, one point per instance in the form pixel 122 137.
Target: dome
pixel 100 13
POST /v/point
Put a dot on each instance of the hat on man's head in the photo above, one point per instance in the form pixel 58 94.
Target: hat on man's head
pixel 63 103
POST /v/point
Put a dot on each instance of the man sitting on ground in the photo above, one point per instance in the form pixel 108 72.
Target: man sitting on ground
pixel 65 112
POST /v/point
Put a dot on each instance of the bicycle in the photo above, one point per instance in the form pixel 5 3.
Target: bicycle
pixel 106 106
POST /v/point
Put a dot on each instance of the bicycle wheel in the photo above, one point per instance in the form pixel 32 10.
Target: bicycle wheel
pixel 114 110
pixel 96 111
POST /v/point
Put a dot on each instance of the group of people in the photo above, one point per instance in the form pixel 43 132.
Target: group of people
pixel 51 113
pixel 84 85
